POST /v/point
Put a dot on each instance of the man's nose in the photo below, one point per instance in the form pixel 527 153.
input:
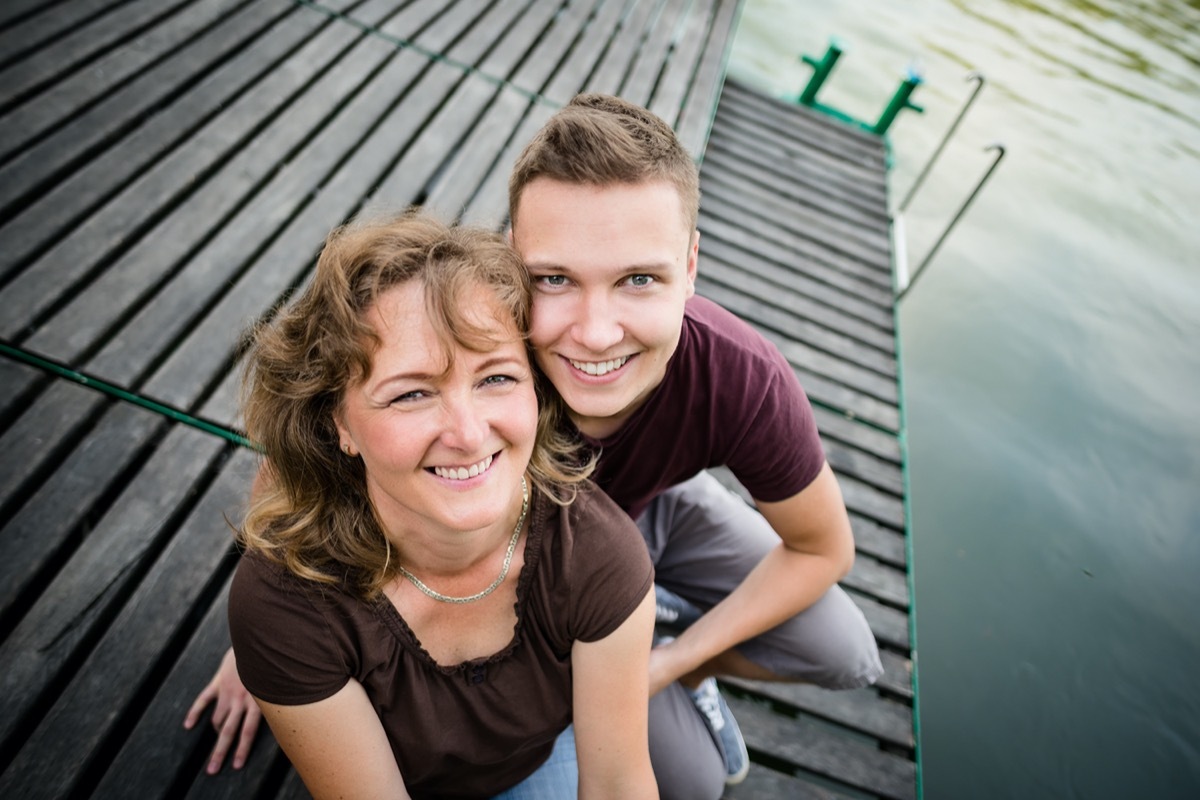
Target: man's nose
pixel 598 327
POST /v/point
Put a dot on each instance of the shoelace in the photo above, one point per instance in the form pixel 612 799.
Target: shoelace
pixel 708 703
pixel 664 614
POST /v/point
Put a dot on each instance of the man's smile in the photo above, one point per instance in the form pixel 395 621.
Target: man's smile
pixel 599 368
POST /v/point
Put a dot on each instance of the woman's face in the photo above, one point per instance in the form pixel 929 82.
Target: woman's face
pixel 442 447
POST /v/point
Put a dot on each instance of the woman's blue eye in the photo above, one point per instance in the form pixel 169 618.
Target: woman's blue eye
pixel 497 380
pixel 408 397
pixel 553 280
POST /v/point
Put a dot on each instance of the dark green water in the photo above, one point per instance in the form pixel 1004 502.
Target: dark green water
pixel 1052 376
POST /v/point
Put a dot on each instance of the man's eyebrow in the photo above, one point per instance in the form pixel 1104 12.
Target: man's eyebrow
pixel 621 269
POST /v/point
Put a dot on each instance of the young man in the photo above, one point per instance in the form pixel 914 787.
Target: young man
pixel 603 205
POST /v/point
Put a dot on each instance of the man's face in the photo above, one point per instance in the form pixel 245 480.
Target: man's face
pixel 612 267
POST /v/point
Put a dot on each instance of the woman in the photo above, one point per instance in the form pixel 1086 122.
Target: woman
pixel 431 592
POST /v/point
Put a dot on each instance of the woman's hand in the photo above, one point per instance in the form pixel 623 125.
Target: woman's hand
pixel 236 714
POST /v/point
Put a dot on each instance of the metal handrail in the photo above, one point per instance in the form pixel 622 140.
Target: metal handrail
pixel 999 148
pixel 971 76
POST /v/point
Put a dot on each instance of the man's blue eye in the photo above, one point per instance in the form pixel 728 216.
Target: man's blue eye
pixel 640 280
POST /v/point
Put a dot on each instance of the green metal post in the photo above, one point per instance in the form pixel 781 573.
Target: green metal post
pixel 900 101
pixel 821 70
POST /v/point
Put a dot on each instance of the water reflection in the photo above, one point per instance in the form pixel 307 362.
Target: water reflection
pixel 1098 58
pixel 1051 372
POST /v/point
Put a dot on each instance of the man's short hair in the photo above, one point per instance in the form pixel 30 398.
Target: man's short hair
pixel 600 140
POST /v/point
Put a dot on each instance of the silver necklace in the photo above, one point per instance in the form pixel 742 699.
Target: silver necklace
pixel 512 545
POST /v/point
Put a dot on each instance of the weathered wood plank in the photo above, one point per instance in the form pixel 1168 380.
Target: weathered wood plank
pixel 647 63
pixel 803 175
pixel 881 444
pixel 553 46
pixel 293 788
pixel 14 12
pixel 679 68
pixel 88 318
pixel 100 126
pixel 521 37
pixel 489 207
pixel 69 260
pixel 855 185
pixel 53 760
pixel 63 621
pixel 897 674
pixel 82 45
pixel 879 580
pixel 253 72
pixel 851 461
pixel 16 380
pixel 878 541
pixel 889 625
pixel 861 710
pixel 589 47
pixel 39 27
pixel 763 783
pixel 870 502
pixel 746 280
pixel 610 74
pixel 694 122
pixel 40 532
pixel 106 75
pixel 804 247
pixel 811 747
pixel 469 166
pixel 34 440
pixel 159 759
pixel 836 227
pixel 835 395
pixel 727 224
pixel 789 123
pixel 844 349
pixel 847 305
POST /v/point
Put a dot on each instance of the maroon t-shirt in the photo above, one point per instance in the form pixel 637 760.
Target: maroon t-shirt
pixel 729 398
pixel 476 728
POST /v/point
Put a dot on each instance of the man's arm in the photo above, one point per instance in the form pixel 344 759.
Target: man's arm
pixel 338 746
pixel 610 698
pixel 816 550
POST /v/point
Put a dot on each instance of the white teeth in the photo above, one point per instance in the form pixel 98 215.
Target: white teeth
pixel 462 473
pixel 599 367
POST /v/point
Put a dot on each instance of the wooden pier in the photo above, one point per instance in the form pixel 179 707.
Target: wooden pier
pixel 168 170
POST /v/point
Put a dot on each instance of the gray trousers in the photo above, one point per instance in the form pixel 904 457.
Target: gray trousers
pixel 704 540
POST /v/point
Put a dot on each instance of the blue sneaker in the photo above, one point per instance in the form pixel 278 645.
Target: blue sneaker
pixel 672 611
pixel 724 730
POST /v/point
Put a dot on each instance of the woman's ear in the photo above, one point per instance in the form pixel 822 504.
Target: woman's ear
pixel 345 440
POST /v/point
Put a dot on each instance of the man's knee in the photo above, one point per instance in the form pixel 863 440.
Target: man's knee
pixel 829 644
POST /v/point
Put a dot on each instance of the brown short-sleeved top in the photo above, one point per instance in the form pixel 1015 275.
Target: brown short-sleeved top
pixel 476 728
pixel 728 398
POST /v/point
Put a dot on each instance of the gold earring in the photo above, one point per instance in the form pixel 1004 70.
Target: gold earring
pixel 346 448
